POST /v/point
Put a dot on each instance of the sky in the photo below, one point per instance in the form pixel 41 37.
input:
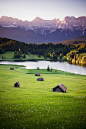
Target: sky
pixel 45 9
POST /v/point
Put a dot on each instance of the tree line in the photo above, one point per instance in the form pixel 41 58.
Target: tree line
pixel 72 52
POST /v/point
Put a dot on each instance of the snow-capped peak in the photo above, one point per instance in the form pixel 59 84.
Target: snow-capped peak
pixel 67 23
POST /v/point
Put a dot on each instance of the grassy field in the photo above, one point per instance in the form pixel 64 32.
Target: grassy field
pixel 35 106
pixel 9 56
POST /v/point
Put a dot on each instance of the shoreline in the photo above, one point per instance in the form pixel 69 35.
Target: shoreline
pixel 62 66
pixel 36 60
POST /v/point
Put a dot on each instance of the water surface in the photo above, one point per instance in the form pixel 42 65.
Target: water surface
pixel 64 66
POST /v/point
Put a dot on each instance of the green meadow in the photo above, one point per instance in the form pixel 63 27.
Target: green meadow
pixel 9 56
pixel 35 106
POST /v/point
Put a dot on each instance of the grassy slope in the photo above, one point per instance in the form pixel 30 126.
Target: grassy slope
pixel 80 40
pixel 9 56
pixel 35 106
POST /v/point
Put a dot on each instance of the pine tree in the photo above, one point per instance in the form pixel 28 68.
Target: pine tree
pixel 48 69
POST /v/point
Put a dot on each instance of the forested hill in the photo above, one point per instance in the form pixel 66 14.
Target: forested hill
pixel 77 40
pixel 13 45
pixel 74 52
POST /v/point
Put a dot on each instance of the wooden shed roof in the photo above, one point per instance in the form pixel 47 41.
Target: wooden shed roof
pixel 64 88
pixel 61 86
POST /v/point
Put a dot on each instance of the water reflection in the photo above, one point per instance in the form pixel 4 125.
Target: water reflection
pixel 83 65
pixel 64 66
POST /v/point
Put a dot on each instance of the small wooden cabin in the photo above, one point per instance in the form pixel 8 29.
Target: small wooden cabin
pixel 40 79
pixel 17 84
pixel 37 74
pixel 60 88
pixel 11 68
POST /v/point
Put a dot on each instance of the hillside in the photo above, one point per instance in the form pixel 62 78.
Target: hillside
pixel 70 51
pixel 34 105
pixel 77 40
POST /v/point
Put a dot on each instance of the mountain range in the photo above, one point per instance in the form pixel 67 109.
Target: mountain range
pixel 42 31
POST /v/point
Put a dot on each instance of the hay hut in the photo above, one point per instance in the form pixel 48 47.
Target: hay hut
pixel 40 79
pixel 11 68
pixel 37 74
pixel 17 84
pixel 60 88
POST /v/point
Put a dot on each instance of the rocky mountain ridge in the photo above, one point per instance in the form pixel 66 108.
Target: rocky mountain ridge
pixel 66 23
pixel 40 30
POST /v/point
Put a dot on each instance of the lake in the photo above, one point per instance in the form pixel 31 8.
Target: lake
pixel 64 66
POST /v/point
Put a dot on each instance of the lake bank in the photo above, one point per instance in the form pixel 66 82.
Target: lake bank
pixel 9 56
pixel 64 66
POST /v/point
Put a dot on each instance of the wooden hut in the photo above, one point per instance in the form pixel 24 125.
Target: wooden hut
pixel 60 88
pixel 11 68
pixel 40 79
pixel 37 74
pixel 17 84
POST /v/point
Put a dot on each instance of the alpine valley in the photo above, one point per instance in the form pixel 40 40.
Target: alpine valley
pixel 42 31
